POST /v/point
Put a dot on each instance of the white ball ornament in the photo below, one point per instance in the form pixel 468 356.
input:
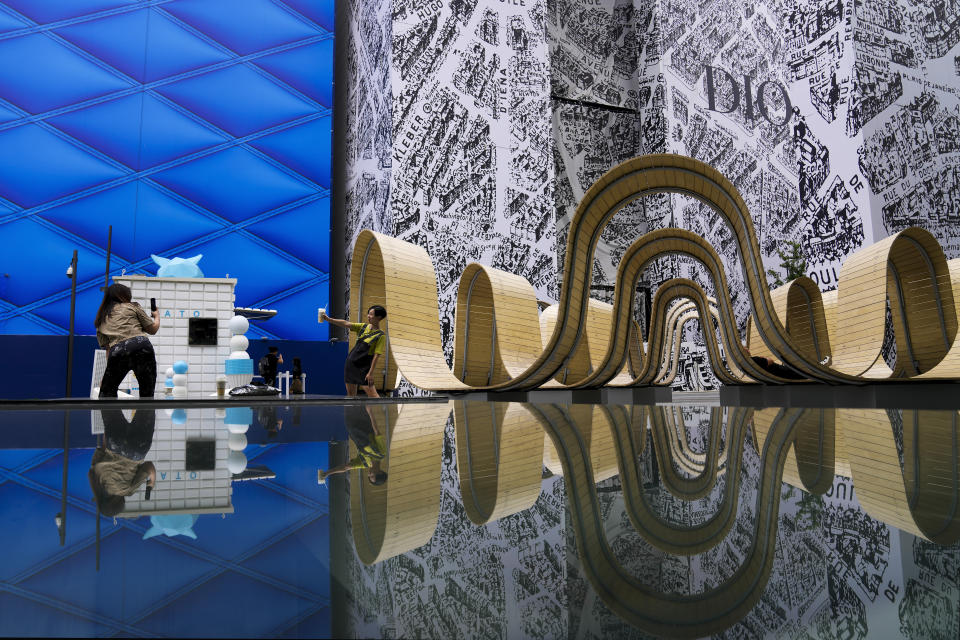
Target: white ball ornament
pixel 238 325
pixel 237 442
pixel 236 462
pixel 239 343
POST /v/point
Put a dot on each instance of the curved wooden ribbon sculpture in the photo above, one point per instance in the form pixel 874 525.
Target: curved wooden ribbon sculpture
pixel 676 318
pixel 800 305
pixel 911 269
pixel 497 346
pixel 949 367
pixel 660 344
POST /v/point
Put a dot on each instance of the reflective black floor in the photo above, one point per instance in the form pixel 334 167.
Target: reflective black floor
pixel 477 519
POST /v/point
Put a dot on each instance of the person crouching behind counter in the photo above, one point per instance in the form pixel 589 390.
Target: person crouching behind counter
pixel 362 359
pixel 122 328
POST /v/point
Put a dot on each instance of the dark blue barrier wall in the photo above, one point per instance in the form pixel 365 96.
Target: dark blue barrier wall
pixel 36 366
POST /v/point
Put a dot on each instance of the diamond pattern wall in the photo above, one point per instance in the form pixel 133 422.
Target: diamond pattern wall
pixel 263 570
pixel 190 126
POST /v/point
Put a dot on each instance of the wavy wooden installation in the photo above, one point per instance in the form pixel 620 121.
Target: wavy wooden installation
pixel 637 256
pixel 681 312
pixel 500 453
pixel 578 365
pixel 401 514
pixel 677 317
pixel 911 269
pixel 949 367
pixel 496 330
pixel 669 291
pixel 799 304
pixel 498 311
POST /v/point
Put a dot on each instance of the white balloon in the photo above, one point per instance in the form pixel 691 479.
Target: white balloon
pixel 170 372
pixel 239 343
pixel 238 428
pixel 236 462
pixel 237 442
pixel 179 380
pixel 238 355
pixel 238 325
pixel 179 392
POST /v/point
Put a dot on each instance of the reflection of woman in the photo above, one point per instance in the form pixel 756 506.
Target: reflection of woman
pixel 269 420
pixel 117 468
pixel 371 446
pixel 122 326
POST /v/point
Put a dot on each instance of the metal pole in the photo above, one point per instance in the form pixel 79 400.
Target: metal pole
pixel 72 272
pixel 62 516
pixel 106 273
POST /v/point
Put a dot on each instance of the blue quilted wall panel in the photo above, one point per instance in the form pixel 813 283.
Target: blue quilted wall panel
pixel 190 126
pixel 263 570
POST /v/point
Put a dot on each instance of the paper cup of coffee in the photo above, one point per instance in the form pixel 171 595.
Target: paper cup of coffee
pixel 320 313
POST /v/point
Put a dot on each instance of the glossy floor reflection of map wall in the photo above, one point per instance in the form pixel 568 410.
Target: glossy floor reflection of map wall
pixel 504 579
pixel 848 560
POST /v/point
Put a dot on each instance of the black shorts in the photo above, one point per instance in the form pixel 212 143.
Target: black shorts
pixel 353 374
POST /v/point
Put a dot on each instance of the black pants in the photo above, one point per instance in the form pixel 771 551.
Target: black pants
pixel 129 439
pixel 777 369
pixel 131 354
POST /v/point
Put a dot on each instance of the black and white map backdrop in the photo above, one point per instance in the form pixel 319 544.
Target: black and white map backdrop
pixel 502 113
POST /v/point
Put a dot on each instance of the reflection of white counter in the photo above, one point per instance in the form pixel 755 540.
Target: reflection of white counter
pixel 178 490
pixel 178 300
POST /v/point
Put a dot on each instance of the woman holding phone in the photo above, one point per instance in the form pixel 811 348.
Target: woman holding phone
pixel 122 328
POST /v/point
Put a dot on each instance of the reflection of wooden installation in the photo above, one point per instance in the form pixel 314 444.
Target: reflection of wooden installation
pixel 401 514
pixel 923 497
pixel 651 610
pixel 673 454
pixel 499 458
pixel 497 326
pixel 813 464
pixel 670 537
